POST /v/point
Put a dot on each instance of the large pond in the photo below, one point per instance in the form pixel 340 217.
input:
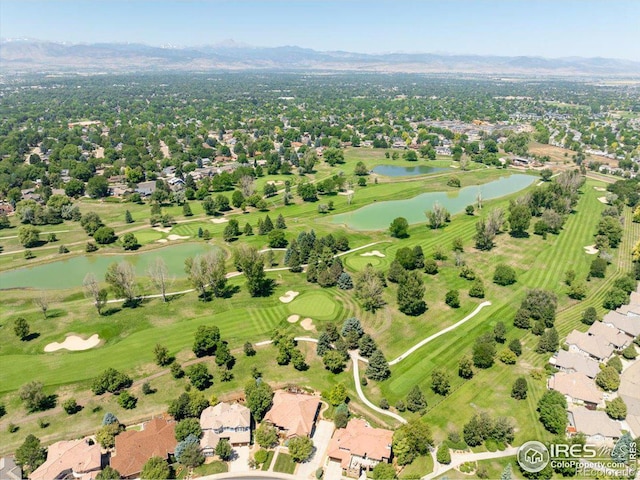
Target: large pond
pixel 378 216
pixel 396 171
pixel 70 272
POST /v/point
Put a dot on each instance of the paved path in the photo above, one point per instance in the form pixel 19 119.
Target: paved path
pixel 458 459
pixel 441 332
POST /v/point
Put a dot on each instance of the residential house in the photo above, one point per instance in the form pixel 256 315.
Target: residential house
pixel 30 194
pixel 360 447
pixel 577 388
pixel 134 447
pixel 627 324
pixel 294 414
pixel 224 421
pixel 571 362
pixel 78 459
pixel 146 188
pixel 595 424
pixel 590 345
pixel 9 470
pixel 612 336
pixel 6 208
pixel 176 184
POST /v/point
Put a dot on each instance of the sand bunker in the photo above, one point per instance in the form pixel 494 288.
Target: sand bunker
pixel 293 318
pixel 162 240
pixel 162 229
pixel 289 296
pixel 591 249
pixel 373 253
pixel 603 199
pixel 219 220
pixel 74 343
pixel 307 324
pixel 600 189
pixel 173 236
pixel 348 192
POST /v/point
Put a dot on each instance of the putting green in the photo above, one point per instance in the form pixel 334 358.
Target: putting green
pixel 315 304
pixel 148 236
pixel 357 262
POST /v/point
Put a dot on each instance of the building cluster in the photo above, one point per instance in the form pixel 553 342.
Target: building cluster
pixel 578 365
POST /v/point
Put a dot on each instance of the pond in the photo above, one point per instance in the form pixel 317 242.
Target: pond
pixel 397 171
pixel 378 216
pixel 70 273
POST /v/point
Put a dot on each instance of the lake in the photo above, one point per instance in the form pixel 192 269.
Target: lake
pixel 396 171
pixel 378 216
pixel 70 273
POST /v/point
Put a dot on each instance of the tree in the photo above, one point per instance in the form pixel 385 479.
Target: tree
pixel 266 435
pixel 338 394
pixel 199 376
pixel 160 276
pixel 440 382
pixel 71 406
pixel 484 351
pixel 500 332
pixel 42 302
pixel 333 361
pixel 28 236
pixel 105 236
pixel 223 449
pixel 277 239
pixel 515 346
pixel 352 324
pixel 465 367
pixel 549 341
pixel 506 356
pixel 577 291
pixel 109 418
pixel 186 427
pixel 399 228
pixel 367 346
pixel 31 454
pixel 552 411
pixel 630 352
pixel 93 291
pixel 300 448
pixel 110 380
pixel 452 298
pixel 206 340
pixel 108 473
pixel 615 298
pixel 478 429
pixel 438 216
pixel 378 368
pixel 485 234
pixel 624 450
pixel 129 241
pixel 410 440
pixel 608 379
pixel 519 388
pixel 34 398
pixel 91 222
pixel 504 275
pixel 188 452
pixel 443 455
pixel 519 219
pixel 611 228
pixel 598 268
pixel 616 409
pixel 396 272
pixel 541 305
pixel 415 400
pixel 259 396
pixel 344 281
pixel 161 354
pixel 251 263
pixel 384 471
pixel 360 169
pixel 430 266
pixel 97 187
pixel 127 401
pixel 121 277
pixel 106 435
pixel 410 294
pixel 21 328
pixel 369 288
pixel 156 468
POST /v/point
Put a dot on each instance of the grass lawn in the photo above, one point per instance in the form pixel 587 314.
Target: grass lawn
pixel 211 469
pixel 421 466
pixel 284 464
pixel 267 462
pixel 494 468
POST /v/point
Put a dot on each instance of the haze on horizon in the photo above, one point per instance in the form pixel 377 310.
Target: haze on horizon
pixel 546 28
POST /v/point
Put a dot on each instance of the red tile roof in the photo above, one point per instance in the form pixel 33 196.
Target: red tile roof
pixel 362 440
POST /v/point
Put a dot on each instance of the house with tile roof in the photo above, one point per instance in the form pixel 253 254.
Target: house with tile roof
pixel 293 414
pixel 134 447
pixel 585 344
pixel 578 389
pixel 78 459
pixel 595 424
pixel 570 362
pixel 612 336
pixel 230 421
pixel 359 447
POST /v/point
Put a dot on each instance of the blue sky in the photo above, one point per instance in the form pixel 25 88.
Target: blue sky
pixel 550 28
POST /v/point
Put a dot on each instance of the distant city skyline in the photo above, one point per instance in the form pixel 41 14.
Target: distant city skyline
pixel 546 28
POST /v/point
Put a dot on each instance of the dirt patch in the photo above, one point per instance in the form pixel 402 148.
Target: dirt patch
pixel 307 324
pixel 74 343
pixel 348 192
pixel 590 249
pixel 173 236
pixel 373 253
pixel 293 318
pixel 219 220
pixel 603 200
pixel 289 296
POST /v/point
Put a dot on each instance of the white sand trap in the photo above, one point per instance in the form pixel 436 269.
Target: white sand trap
pixel 600 189
pixel 293 318
pixel 307 324
pixel 162 229
pixel 348 192
pixel 603 199
pixel 173 236
pixel 373 253
pixel 74 343
pixel 289 296
pixel 591 249
pixel 219 220
pixel 162 240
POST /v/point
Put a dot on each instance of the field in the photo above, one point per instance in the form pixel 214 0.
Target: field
pixel 129 335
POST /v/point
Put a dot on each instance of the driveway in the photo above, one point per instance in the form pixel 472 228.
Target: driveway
pixel 321 438
pixel 333 471
pixel 240 462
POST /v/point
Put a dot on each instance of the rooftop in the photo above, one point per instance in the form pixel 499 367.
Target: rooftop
pixel 79 456
pixel 362 440
pixel 293 412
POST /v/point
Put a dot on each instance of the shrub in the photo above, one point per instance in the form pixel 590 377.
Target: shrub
pixel 71 406
pixel 452 298
pixel 147 389
pixel 261 456
pixel 444 455
pixel 598 268
pixel 127 401
pixel 507 356
pixel 477 289
pixel 111 380
pixel 519 389
pixel 589 316
pixel 430 266
pixel 504 275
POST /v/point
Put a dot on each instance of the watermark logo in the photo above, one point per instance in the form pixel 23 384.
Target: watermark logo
pixel 533 456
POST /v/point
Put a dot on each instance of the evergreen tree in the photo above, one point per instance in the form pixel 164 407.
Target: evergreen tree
pixel 344 281
pixel 186 210
pixel 465 367
pixel 500 332
pixel 127 217
pixel 367 345
pixel 294 262
pixel 519 389
pixel 411 294
pixel 548 341
pixel 248 231
pixel 280 223
pixel 324 344
pixel 415 400
pixel 352 324
pixel 418 256
pixel 267 225
pixel 396 272
pixel 378 368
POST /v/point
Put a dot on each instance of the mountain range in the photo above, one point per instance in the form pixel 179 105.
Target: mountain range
pixel 30 56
